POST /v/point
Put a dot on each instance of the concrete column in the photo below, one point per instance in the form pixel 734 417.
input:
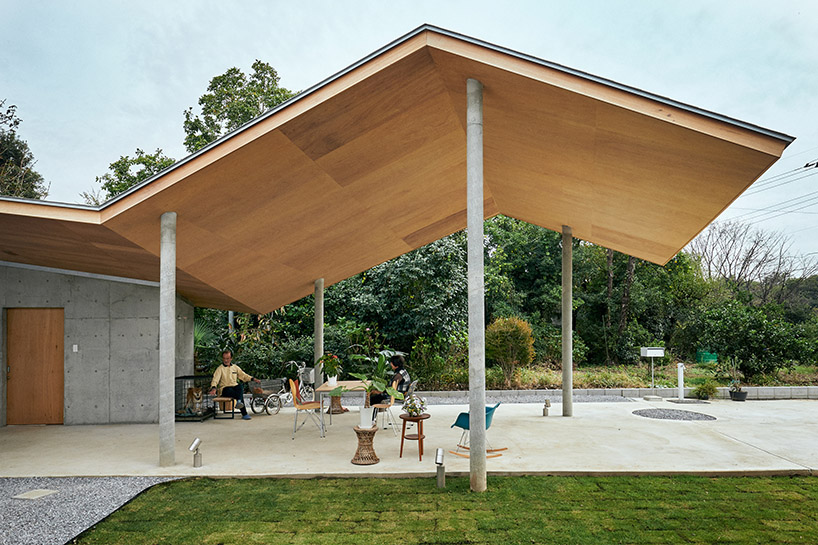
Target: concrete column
pixel 318 328
pixel 567 323
pixel 477 319
pixel 167 339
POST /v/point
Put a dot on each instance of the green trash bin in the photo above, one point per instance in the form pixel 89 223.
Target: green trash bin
pixel 703 356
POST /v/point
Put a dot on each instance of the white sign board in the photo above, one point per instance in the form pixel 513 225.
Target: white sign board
pixel 653 352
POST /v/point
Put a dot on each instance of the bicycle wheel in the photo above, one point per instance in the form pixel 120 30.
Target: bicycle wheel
pixel 257 404
pixel 273 404
pixel 307 393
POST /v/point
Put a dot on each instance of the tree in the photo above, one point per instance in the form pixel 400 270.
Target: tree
pixel 510 344
pixel 17 175
pixel 127 172
pixel 232 99
pixel 752 261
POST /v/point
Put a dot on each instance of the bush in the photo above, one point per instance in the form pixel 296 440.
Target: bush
pixel 705 390
pixel 761 343
pixel 509 343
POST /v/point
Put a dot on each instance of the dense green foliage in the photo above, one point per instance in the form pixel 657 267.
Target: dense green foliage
pixel 417 303
pixel 128 171
pixel 17 175
pixel 514 510
pixel 232 99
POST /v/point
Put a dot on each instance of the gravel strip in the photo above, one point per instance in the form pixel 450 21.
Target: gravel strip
pixel 516 396
pixel 672 414
pixel 80 502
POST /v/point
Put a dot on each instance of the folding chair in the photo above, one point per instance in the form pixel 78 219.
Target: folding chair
pixel 386 409
pixel 307 407
pixel 462 422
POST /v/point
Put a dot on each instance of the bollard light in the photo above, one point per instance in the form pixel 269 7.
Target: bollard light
pixel 441 469
pixel 197 456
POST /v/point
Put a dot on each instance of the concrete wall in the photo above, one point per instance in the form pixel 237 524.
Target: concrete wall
pixel 114 325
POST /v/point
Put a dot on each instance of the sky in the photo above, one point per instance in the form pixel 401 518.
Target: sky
pixel 95 80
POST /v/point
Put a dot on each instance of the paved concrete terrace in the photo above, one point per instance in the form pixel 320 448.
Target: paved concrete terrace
pixel 772 437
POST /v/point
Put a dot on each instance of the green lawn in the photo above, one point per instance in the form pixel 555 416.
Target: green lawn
pixel 563 510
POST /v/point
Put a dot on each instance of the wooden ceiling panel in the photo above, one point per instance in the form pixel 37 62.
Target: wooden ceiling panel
pixel 372 102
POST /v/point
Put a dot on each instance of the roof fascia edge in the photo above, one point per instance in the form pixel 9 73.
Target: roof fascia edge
pixel 786 139
pixel 616 85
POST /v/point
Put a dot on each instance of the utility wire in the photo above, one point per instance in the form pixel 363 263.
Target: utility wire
pixel 765 187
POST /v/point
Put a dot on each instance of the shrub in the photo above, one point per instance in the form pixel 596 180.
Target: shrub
pixel 705 390
pixel 509 343
pixel 760 343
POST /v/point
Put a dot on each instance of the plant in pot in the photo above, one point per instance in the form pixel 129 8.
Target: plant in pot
pixel 414 405
pixel 736 393
pixel 373 382
pixel 331 365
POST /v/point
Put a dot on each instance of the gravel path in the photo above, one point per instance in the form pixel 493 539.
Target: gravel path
pixel 54 519
pixel 672 414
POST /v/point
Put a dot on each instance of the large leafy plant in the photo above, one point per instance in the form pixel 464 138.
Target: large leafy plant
pixel 376 380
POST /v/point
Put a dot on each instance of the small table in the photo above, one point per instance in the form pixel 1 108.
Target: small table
pixel 413 436
pixel 350 385
pixel 365 455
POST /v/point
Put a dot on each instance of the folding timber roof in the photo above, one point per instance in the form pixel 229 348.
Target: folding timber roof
pixel 370 164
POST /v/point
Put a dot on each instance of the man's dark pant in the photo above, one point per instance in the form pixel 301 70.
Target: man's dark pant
pixel 237 393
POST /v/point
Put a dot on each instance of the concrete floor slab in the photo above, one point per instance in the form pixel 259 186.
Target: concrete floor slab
pixel 774 437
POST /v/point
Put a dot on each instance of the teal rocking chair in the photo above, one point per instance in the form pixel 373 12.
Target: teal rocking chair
pixel 462 422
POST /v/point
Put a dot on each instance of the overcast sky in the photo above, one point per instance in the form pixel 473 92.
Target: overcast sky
pixel 94 80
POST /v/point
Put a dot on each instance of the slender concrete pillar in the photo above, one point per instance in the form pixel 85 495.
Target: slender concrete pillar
pixel 567 323
pixel 167 339
pixel 477 319
pixel 318 328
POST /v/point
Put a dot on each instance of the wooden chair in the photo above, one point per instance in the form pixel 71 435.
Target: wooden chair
pixel 386 409
pixel 307 407
pixel 462 422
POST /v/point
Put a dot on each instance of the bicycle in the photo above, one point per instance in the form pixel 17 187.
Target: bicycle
pixel 272 402
pixel 266 396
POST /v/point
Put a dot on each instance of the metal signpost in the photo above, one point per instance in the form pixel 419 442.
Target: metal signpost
pixel 652 352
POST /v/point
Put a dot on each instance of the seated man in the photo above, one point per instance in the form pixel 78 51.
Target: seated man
pixel 401 377
pixel 227 376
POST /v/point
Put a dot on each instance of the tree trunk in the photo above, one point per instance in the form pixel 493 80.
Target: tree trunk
pixel 626 295
pixel 610 289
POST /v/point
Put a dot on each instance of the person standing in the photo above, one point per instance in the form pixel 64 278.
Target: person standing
pixel 227 377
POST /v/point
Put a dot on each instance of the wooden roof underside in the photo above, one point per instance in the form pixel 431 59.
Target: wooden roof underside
pixel 371 164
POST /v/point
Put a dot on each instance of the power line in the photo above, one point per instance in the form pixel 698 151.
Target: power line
pixel 764 187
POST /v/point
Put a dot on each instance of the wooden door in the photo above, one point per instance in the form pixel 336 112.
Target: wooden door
pixel 35 360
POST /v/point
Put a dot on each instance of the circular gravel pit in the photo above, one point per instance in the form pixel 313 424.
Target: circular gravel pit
pixel 672 414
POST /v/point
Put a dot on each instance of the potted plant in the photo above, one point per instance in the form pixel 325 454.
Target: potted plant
pixel 736 393
pixel 414 405
pixel 332 367
pixel 376 381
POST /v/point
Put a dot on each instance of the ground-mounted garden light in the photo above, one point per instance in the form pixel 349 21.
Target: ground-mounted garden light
pixel 545 407
pixel 197 456
pixel 441 469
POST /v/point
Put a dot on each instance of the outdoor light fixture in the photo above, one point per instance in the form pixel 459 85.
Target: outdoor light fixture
pixel 197 456
pixel 545 407
pixel 441 469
